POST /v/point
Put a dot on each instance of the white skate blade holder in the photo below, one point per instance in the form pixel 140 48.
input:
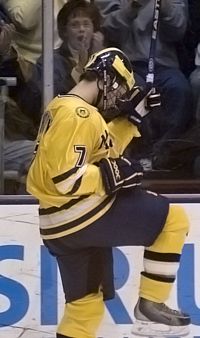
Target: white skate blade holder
pixel 155 330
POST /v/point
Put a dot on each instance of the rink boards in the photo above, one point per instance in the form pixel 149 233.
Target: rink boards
pixel 31 298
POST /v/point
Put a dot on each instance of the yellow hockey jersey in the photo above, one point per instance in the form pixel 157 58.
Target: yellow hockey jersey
pixel 64 175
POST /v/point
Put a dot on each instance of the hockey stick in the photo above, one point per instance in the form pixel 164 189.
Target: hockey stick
pixel 152 52
pixel 154 98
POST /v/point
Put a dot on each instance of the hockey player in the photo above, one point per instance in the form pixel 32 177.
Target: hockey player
pixel 91 199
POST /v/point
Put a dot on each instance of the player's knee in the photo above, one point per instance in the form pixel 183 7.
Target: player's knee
pixel 177 219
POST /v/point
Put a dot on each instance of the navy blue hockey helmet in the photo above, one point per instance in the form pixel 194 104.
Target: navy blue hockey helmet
pixel 114 63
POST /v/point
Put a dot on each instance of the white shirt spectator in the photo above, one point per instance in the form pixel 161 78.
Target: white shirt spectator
pixel 27 18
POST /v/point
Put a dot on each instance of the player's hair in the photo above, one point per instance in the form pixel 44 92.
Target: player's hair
pixel 74 7
pixel 89 76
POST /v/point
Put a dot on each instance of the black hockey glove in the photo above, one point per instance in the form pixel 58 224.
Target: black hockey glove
pixel 120 173
pixel 137 106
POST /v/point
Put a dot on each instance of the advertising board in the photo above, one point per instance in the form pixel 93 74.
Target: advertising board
pixel 31 297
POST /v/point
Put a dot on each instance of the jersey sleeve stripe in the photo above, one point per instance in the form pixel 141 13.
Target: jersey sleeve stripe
pixel 64 176
pixel 76 186
pixel 65 186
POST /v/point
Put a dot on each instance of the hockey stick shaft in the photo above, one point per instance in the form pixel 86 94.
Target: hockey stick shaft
pixel 152 52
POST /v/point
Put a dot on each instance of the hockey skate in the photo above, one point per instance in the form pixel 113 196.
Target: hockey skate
pixel 158 320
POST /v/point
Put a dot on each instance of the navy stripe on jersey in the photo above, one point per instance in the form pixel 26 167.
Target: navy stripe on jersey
pixel 76 186
pixel 67 174
pixel 78 221
pixel 161 257
pixel 52 210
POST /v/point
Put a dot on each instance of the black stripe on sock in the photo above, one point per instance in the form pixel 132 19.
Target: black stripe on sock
pixel 58 335
pixel 158 278
pixel 162 257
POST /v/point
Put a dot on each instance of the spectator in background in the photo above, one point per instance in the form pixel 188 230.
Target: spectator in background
pixel 6 34
pixel 9 66
pixel 78 25
pixel 195 82
pixel 130 25
pixel 187 47
pixel 19 138
pixel 18 148
pixel 193 40
pixel 26 15
pixel 19 134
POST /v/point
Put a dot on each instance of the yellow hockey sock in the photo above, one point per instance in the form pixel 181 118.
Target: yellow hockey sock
pixel 161 260
pixel 82 317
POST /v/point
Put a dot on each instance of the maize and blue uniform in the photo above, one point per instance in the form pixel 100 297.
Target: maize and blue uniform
pixel 80 224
